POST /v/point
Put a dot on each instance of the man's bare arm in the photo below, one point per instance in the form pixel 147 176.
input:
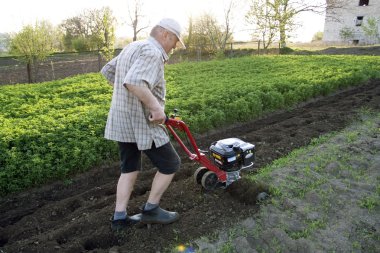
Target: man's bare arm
pixel 144 94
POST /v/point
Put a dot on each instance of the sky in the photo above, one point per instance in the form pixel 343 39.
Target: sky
pixel 15 14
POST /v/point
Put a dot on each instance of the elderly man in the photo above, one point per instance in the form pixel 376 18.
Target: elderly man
pixel 137 110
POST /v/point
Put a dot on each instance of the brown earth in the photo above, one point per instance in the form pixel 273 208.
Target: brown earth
pixel 73 216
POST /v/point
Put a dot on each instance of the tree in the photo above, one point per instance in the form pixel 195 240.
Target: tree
pixel 206 34
pixel 33 44
pixel 227 29
pixel 196 38
pixel 135 16
pixel 265 26
pixel 318 36
pixel 92 30
pixel 346 33
pixel 103 31
pixel 284 12
pixel 76 32
pixel 371 29
pixel 212 31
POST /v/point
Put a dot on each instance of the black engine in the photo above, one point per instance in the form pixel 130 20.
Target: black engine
pixel 232 154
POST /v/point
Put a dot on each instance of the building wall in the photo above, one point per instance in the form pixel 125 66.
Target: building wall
pixel 348 17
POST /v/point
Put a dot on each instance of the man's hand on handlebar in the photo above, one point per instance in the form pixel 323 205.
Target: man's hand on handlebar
pixel 157 116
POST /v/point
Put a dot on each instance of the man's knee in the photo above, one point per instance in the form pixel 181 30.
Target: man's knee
pixel 171 167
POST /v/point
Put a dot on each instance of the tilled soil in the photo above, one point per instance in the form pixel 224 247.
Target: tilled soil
pixel 73 216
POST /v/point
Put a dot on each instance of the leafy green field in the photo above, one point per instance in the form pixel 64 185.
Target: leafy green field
pixel 54 129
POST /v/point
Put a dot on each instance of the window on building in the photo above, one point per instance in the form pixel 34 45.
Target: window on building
pixel 355 42
pixel 359 20
pixel 363 2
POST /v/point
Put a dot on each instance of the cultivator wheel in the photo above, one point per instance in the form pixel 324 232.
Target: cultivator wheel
pixel 198 174
pixel 209 180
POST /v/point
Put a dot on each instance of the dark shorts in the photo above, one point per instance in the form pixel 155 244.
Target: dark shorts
pixel 165 158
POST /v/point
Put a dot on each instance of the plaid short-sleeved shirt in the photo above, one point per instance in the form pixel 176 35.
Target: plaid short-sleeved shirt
pixel 141 63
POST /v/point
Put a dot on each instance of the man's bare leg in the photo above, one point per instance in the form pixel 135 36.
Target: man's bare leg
pixel 160 183
pixel 125 185
pixel 152 213
pixel 124 190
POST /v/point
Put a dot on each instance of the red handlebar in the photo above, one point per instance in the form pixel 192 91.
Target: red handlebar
pixel 198 156
pixel 181 126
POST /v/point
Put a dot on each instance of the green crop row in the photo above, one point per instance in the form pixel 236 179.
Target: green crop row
pixel 52 130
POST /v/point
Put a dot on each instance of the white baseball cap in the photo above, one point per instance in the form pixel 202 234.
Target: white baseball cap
pixel 173 26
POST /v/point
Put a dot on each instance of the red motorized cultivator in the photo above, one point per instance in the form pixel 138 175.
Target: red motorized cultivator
pixel 224 160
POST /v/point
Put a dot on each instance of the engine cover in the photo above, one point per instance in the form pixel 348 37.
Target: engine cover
pixel 232 154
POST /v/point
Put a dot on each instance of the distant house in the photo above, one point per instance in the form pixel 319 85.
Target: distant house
pixel 348 23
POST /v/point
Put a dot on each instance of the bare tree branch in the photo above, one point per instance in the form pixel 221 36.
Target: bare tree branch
pixel 284 12
pixel 135 17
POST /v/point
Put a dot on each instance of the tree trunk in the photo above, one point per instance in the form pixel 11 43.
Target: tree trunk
pixel 282 35
pixel 29 70
pixel 283 21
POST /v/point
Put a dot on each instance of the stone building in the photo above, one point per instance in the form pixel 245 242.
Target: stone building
pixel 351 23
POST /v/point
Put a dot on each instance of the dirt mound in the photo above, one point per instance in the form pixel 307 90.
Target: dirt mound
pixel 73 216
pixel 375 50
pixel 354 50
